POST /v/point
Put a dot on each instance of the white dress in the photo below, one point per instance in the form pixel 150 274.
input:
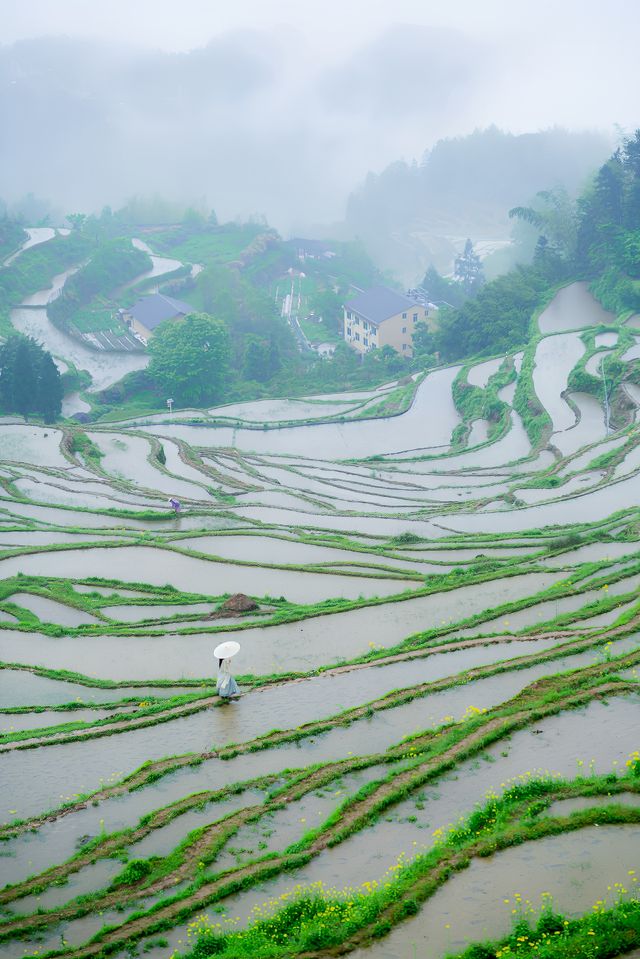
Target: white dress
pixel 226 685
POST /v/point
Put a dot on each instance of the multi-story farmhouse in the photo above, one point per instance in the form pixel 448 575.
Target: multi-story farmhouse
pixel 381 317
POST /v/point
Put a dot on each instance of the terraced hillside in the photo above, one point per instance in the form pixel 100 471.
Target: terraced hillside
pixel 439 725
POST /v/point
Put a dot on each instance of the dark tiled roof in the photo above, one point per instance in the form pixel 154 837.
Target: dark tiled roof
pixel 379 303
pixel 152 310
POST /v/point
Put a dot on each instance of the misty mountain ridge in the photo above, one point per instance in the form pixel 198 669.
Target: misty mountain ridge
pixel 238 126
pixel 413 214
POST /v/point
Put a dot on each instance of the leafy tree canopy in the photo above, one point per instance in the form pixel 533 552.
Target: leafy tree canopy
pixel 29 379
pixel 190 359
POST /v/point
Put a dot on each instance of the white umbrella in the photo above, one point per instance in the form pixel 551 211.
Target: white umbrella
pixel 226 650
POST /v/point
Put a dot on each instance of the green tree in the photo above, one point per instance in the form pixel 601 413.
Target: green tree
pixel 468 270
pixel 256 360
pixel 190 359
pixel 77 220
pixel 441 290
pixel 631 161
pixel 29 379
pixel 553 214
pixel 49 388
pixel 422 341
pixel 327 304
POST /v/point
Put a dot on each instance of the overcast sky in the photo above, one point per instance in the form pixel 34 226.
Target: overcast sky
pixel 351 85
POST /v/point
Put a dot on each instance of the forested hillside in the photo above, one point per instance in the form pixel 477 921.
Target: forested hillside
pixel 412 213
pixel 597 238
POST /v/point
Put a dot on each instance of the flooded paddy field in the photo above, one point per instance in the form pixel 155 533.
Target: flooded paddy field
pixel 393 670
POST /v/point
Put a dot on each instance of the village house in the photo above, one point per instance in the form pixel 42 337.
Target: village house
pixel 147 313
pixel 381 317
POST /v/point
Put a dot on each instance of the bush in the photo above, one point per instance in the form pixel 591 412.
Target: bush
pixel 134 872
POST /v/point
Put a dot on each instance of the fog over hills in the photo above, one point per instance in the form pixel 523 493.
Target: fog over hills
pixel 413 214
pixel 251 120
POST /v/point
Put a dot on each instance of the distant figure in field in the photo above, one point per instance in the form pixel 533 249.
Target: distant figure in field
pixel 175 505
pixel 226 685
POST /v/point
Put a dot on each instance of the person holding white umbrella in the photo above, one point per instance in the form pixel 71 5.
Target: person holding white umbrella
pixel 226 686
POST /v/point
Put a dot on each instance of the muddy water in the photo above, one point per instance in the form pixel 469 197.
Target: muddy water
pixel 87 880
pixel 480 374
pixel 56 841
pixel 36 779
pixel 282 551
pixel 265 411
pixel 36 235
pixel 589 507
pixel 538 613
pixel 479 432
pixel 555 358
pixel 132 614
pixel 298 646
pixel 159 843
pixel 583 461
pixel 22 688
pixel 633 353
pixel 183 470
pixel 88 520
pixel 594 552
pixel 592 366
pixel 564 807
pixel 104 368
pixel 12 722
pixel 126 457
pixel 367 525
pixel 412 430
pixel 574 869
pixel 276 831
pixel 159 567
pixel 59 496
pixel 589 429
pixel 610 732
pixel 576 484
pixel 49 611
pixel 573 308
pixel 513 446
pixel 42 297
pixel 32 444
pixel 160 266
pixel 630 463
pixel 429 711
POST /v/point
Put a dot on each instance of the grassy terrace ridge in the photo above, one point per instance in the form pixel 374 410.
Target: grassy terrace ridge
pixel 150 772
pixel 428 756
pixel 601 934
pixel 591 575
pixel 150 712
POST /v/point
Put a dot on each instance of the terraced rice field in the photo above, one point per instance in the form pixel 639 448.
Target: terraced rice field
pixel 439 669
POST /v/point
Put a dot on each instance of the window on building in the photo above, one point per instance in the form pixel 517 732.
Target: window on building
pixel 404 329
pixel 415 317
pixel 404 316
pixel 365 340
pixel 348 331
pixel 358 337
pixel 404 346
